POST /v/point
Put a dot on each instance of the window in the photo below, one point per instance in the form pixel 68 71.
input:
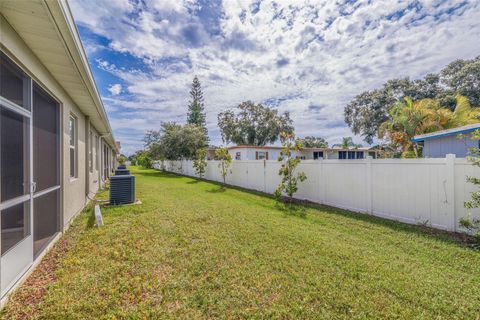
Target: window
pixel 14 84
pixel 301 157
pixel 46 132
pixel 317 155
pixel 261 155
pixel 90 151
pixel 97 152
pixel 342 154
pixel 238 156
pixel 73 146
pixel 359 154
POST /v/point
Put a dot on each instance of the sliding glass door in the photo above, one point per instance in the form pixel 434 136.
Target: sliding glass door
pixel 15 174
pixel 29 171
pixel 46 165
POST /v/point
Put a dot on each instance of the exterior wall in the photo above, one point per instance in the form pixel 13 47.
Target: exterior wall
pixel 73 191
pixel 94 175
pixel 250 153
pixel 273 153
pixel 331 155
pixel 416 191
pixel 439 147
pixel 23 56
pixel 72 188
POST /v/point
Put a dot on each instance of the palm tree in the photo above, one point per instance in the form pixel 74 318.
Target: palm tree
pixel 410 118
pixel 347 143
pixel 463 114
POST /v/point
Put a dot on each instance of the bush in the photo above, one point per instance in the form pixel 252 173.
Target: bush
pixel 290 179
pixel 225 161
pixel 200 164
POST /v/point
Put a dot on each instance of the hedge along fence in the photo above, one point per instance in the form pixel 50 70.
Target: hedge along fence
pixel 416 191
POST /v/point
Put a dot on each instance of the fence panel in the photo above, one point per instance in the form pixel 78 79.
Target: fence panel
pixel 256 175
pixel 345 184
pixel 417 191
pixel 239 174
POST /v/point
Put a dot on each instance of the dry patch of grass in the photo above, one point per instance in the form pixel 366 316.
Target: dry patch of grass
pixel 24 303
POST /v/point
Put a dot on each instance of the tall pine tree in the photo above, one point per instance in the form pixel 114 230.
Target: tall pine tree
pixel 196 112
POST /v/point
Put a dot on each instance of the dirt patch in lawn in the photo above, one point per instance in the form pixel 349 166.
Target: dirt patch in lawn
pixel 24 302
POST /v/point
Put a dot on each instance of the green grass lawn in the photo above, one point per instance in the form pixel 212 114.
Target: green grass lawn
pixel 192 250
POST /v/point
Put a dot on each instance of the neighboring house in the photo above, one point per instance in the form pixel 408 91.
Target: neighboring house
pixel 455 141
pixel 273 152
pixel 56 145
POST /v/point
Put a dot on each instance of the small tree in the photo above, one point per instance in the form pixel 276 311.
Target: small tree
pixel 200 164
pixel 289 183
pixel 143 159
pixel 469 223
pixel 121 159
pixel 225 161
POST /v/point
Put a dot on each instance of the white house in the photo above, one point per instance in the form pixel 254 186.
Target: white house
pixel 56 146
pixel 273 152
pixel 455 141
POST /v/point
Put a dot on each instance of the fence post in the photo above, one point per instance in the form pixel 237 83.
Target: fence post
pixel 450 188
pixel 321 182
pixel 265 176
pixel 369 186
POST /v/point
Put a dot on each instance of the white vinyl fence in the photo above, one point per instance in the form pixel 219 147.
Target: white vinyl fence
pixel 417 191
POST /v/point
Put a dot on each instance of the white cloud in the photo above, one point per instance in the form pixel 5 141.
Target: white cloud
pixel 115 89
pixel 317 52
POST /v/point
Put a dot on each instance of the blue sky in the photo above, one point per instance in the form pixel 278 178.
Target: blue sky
pixel 309 58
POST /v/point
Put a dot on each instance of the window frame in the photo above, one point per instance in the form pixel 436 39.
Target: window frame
pixel 27 80
pixel 317 155
pixel 97 155
pixel 73 120
pixel 90 151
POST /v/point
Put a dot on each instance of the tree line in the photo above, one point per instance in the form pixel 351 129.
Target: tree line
pixel 253 124
pixel 402 107
pixel 394 113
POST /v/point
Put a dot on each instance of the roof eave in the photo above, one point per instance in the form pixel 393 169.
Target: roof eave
pixel 421 138
pixel 61 13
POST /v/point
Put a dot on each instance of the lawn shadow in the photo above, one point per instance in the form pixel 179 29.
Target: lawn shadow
pixel 91 218
pixel 218 189
pixel 291 209
pixel 195 181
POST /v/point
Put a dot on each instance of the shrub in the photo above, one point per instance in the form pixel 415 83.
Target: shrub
pixel 290 179
pixel 144 160
pixel 225 161
pixel 469 223
pixel 200 164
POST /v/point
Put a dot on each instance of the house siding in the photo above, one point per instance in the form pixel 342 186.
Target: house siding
pixel 440 147
pixel 249 153
pixel 73 191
